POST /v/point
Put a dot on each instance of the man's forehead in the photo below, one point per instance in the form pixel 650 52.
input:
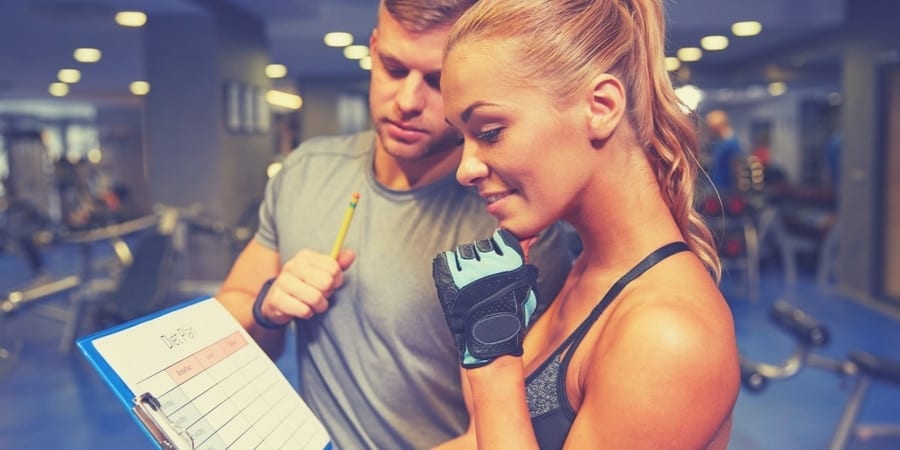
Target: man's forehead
pixel 425 53
pixel 389 57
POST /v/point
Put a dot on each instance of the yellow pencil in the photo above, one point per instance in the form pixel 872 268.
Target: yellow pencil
pixel 339 242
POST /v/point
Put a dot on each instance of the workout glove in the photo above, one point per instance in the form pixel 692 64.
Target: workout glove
pixel 487 293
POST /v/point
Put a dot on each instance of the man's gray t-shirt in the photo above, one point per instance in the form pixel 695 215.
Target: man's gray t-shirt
pixel 379 368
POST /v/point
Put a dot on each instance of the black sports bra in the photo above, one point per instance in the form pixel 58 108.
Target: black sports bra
pixel 551 414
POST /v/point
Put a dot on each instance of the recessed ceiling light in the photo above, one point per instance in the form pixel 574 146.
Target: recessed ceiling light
pixel 131 18
pixel 366 62
pixel 690 96
pixel 139 87
pixel 746 28
pixel 356 51
pixel 69 76
pixel 672 63
pixel 689 54
pixel 284 99
pixel 338 39
pixel 777 88
pixel 87 55
pixel 276 71
pixel 58 89
pixel 714 43
pixel 94 155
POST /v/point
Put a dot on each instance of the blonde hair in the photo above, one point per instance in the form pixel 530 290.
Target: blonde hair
pixel 564 43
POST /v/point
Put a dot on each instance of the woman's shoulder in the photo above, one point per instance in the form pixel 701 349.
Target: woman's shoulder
pixel 668 348
pixel 667 319
pixel 682 312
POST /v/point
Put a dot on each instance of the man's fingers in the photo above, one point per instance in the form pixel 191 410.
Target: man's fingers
pixel 317 270
pixel 291 292
pixel 345 258
pixel 283 305
pixel 322 280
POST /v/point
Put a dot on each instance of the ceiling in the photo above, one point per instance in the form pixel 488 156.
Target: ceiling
pixel 37 37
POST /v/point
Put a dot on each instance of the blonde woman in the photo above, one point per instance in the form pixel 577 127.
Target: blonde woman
pixel 567 113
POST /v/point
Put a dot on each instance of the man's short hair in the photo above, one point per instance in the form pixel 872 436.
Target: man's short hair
pixel 419 15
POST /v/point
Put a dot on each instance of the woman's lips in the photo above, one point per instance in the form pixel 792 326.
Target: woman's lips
pixel 491 198
pixel 495 201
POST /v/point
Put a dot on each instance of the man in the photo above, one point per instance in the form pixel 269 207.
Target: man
pixel 725 152
pixel 377 363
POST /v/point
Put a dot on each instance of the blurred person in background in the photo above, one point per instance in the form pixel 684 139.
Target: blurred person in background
pixel 726 155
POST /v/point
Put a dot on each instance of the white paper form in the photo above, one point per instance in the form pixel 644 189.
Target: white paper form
pixel 214 384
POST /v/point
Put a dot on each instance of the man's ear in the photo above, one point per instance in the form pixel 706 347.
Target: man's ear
pixel 372 38
pixel 607 105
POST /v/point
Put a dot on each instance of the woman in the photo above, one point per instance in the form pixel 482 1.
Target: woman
pixel 567 112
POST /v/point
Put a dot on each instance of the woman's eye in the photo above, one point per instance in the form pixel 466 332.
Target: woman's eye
pixel 492 135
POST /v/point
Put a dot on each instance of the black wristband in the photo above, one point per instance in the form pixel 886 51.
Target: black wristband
pixel 258 316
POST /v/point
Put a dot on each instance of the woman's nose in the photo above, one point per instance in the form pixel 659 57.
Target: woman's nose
pixel 471 169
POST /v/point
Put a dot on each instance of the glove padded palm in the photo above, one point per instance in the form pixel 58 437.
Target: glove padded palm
pixel 487 293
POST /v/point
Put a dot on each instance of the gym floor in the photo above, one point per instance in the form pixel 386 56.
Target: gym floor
pixel 55 401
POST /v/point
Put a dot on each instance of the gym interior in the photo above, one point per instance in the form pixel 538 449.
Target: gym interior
pixel 133 169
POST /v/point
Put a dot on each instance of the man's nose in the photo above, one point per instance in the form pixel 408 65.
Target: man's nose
pixel 411 96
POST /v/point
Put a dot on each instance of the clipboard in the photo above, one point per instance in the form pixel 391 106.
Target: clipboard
pixel 192 378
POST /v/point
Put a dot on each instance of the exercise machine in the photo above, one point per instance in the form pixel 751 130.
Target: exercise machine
pixel 859 367
pixel 12 302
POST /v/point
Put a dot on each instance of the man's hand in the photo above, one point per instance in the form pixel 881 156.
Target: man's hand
pixel 487 293
pixel 304 285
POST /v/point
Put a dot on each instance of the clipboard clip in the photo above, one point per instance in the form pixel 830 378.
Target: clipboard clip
pixel 170 437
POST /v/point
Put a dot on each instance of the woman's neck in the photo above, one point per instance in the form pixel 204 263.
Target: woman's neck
pixel 625 217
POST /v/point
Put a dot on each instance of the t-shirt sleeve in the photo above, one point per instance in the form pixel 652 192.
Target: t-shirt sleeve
pixel 267 233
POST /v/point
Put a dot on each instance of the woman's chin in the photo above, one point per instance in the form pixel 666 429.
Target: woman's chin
pixel 522 233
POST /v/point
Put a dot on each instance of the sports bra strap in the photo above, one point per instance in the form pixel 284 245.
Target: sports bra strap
pixel 651 260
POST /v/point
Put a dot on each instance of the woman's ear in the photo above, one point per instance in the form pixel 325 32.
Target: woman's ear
pixel 606 106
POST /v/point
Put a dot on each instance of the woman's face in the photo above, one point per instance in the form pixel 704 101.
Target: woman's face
pixel 527 155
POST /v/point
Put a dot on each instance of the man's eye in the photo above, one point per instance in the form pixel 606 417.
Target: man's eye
pixel 434 82
pixel 397 73
pixel 492 135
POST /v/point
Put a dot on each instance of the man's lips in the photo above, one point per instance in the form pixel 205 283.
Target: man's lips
pixel 403 131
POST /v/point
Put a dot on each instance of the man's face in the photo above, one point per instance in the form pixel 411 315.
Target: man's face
pixel 404 96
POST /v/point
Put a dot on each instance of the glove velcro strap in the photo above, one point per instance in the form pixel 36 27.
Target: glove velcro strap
pixel 497 324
